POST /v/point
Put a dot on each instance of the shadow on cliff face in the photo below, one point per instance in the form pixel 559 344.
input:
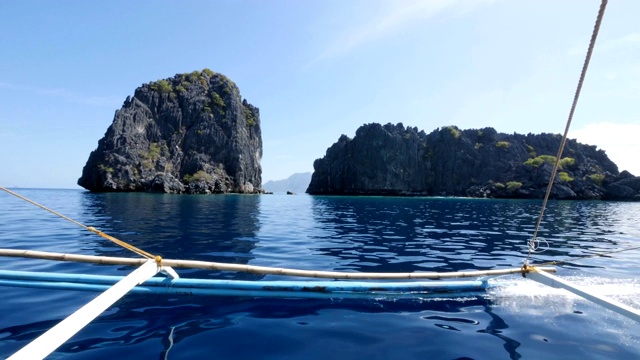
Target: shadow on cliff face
pixel 209 228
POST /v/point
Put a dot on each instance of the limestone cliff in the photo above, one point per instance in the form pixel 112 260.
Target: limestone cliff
pixel 192 133
pixel 394 160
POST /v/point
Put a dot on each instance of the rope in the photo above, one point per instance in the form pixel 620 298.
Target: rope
pixel 117 241
pixel 533 242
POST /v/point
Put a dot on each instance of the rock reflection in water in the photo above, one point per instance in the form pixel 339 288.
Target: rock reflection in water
pixel 218 228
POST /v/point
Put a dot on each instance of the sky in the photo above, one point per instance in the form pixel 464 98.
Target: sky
pixel 317 69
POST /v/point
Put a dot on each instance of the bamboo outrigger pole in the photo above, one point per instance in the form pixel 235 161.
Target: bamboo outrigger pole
pixel 265 270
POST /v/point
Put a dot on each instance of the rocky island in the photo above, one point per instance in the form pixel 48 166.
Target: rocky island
pixel 192 133
pixel 394 160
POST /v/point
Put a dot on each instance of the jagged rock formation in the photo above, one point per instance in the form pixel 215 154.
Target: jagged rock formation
pixel 394 160
pixel 296 183
pixel 192 133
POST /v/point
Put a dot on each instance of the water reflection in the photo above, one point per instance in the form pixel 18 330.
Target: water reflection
pixel 220 327
pixel 348 233
pixel 495 327
pixel 413 234
pixel 211 228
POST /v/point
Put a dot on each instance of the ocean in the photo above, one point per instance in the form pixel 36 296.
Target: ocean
pixel 515 319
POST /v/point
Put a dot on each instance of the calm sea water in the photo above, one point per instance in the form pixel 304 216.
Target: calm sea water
pixel 516 320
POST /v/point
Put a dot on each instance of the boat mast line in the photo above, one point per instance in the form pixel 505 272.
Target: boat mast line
pixel 265 270
pixel 594 35
pixel 113 239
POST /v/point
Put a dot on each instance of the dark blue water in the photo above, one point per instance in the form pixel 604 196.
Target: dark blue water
pixel 517 320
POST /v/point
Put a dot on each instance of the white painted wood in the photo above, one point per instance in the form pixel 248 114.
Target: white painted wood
pixel 169 272
pixel 57 335
pixel 613 305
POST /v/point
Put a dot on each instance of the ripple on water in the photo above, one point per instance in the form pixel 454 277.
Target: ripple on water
pixel 515 319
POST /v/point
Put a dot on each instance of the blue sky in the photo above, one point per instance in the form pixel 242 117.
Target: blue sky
pixel 316 69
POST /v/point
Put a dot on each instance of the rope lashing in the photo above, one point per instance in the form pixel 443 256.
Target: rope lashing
pixel 532 243
pixel 122 243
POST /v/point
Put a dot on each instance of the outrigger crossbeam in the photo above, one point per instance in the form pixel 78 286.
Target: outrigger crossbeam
pixel 48 342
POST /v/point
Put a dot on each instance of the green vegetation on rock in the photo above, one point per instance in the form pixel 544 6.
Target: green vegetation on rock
pixel 161 86
pixel 429 154
pixel 503 144
pixel 248 115
pixel 567 162
pixel 564 162
pixel 564 177
pixel 184 82
pixel 537 161
pixel 217 100
pixel 154 151
pixel 194 75
pixel 597 179
pixel 513 185
pixel 106 169
pixel 532 151
pixel 153 154
pixel 453 131
pixel 198 176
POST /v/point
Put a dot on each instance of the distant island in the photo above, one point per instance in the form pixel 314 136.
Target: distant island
pixel 192 133
pixel 394 160
pixel 296 183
